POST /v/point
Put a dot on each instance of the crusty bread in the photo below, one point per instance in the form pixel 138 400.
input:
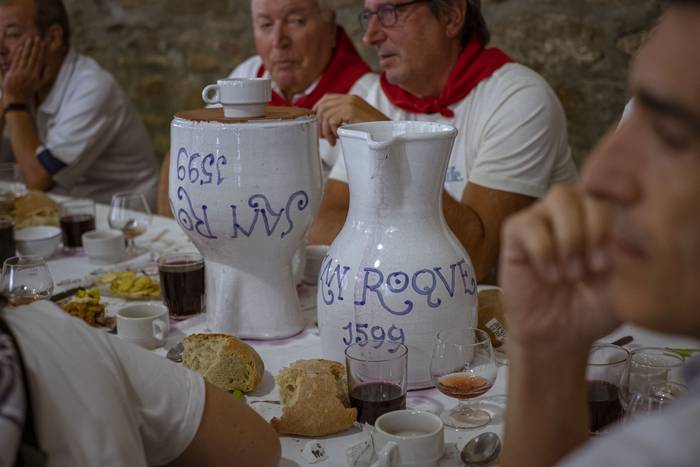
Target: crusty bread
pixel 315 399
pixel 224 361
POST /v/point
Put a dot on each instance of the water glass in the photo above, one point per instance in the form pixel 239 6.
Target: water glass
pixel 607 364
pixel 11 178
pixel 182 284
pixel 77 217
pixel 377 378
pixel 26 279
pixel 654 396
pixel 650 366
pixel 463 367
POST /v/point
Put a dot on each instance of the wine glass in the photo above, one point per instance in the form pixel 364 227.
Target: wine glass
pixel 26 279
pixel 463 367
pixel 129 212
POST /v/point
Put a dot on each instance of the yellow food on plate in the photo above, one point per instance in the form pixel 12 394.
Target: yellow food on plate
pixel 129 284
pixel 86 306
pixel 35 208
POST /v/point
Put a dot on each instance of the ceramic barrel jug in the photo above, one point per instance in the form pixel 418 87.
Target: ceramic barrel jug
pixel 395 271
pixel 246 189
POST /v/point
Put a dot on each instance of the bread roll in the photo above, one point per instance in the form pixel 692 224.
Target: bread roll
pixel 314 398
pixel 224 361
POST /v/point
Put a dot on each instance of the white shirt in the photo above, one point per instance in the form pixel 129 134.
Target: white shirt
pixel 249 69
pixel 98 401
pixel 512 134
pixel 89 124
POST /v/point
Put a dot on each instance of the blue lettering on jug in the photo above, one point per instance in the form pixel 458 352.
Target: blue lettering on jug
pixel 376 288
pixel 359 333
pixel 453 175
pixel 264 210
pixel 188 218
pixel 330 290
pixel 466 277
pixel 427 290
pixel 188 168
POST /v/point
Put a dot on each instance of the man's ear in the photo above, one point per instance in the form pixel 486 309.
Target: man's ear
pixel 54 38
pixel 453 18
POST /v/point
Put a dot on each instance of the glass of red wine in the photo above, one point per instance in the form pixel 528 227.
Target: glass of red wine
pixel 129 212
pixel 77 217
pixel 377 379
pixel 182 284
pixel 607 364
pixel 463 367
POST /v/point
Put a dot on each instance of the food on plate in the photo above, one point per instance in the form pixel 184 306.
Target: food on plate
pixel 224 361
pixel 85 304
pixel 35 208
pixel 315 399
pixel 130 285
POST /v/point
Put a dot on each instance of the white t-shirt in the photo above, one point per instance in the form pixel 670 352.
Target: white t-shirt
pixel 512 134
pixel 98 401
pixel 249 69
pixel 88 123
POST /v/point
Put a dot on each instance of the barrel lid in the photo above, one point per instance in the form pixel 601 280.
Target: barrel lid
pixel 271 113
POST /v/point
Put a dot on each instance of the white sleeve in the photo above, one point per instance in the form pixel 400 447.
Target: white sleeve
pixel 83 129
pixel 524 140
pixel 667 438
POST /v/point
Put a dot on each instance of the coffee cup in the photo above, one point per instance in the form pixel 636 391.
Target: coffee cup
pixel 146 325
pixel 104 245
pixel 408 438
pixel 240 97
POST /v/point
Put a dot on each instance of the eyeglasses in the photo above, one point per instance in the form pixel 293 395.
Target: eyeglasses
pixel 386 14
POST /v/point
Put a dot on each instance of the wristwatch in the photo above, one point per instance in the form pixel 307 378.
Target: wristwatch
pixel 16 106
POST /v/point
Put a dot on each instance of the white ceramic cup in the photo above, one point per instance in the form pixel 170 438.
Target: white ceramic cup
pixel 408 438
pixel 104 245
pixel 143 324
pixel 314 258
pixel 240 97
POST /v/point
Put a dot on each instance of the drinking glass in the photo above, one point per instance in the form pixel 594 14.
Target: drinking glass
pixel 377 378
pixel 463 367
pixel 649 366
pixel 77 217
pixel 26 279
pixel 182 283
pixel 607 364
pixel 129 212
pixel 654 396
pixel 11 178
pixel 7 238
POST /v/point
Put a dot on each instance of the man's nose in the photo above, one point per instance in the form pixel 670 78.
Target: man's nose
pixel 374 33
pixel 280 37
pixel 612 170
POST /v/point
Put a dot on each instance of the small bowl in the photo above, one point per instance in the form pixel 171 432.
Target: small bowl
pixel 42 240
pixel 104 245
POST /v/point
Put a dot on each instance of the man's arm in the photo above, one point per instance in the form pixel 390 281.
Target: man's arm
pixel 24 142
pixel 231 433
pixel 332 213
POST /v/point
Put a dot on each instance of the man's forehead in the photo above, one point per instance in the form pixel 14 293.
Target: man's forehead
pixel 17 9
pixel 668 65
pixel 268 7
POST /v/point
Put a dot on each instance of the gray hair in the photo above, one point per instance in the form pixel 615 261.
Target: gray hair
pixel 474 23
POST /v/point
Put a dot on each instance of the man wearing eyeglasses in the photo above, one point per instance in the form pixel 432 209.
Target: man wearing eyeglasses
pixel 512 142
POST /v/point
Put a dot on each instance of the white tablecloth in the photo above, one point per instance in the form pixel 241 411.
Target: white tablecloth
pixel 165 235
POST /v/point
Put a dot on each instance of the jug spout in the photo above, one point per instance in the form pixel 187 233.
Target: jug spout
pixel 399 163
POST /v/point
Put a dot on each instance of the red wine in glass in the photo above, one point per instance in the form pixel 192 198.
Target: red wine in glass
pixel 604 404
pixel 182 285
pixel 74 226
pixel 375 399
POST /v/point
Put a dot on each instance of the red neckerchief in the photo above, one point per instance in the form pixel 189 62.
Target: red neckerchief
pixel 474 64
pixel 344 69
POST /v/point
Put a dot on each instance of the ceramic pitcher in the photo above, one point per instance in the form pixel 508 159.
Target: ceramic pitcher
pixel 246 190
pixel 395 271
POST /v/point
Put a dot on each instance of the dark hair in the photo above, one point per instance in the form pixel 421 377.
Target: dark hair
pixel 474 24
pixel 50 12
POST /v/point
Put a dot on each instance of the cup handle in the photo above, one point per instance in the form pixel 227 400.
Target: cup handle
pixel 160 329
pixel 388 456
pixel 207 90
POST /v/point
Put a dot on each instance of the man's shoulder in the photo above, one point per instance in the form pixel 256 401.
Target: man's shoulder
pixel 248 68
pixel 512 78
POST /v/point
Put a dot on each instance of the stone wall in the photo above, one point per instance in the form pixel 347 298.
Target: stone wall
pixel 164 51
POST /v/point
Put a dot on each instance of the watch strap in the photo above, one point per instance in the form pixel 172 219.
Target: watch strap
pixel 16 106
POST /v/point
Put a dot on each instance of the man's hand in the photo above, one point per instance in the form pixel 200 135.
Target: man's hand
pixel 332 110
pixel 27 71
pixel 553 262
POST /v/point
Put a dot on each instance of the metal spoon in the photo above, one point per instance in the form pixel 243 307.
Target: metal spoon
pixel 482 449
pixel 175 352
